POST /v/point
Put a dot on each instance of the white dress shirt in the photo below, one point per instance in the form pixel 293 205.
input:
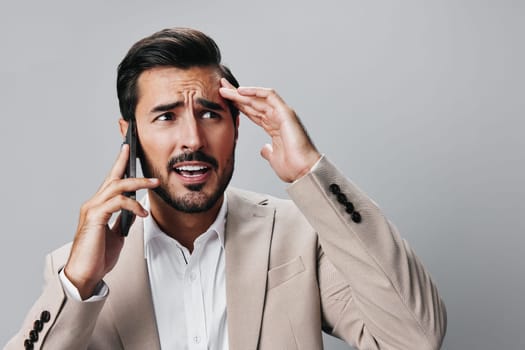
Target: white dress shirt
pixel 188 289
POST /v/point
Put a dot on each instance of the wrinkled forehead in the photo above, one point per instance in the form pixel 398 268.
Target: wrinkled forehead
pixel 161 82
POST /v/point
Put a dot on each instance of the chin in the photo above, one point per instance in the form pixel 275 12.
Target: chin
pixel 195 200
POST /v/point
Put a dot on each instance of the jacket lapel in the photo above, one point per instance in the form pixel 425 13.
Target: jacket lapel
pixel 248 237
pixel 133 308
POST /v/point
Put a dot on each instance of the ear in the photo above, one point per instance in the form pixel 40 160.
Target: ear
pixel 123 127
pixel 237 120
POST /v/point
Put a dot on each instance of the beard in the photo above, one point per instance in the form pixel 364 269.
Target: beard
pixel 196 201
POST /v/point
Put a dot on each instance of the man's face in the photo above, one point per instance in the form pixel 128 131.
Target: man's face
pixel 186 134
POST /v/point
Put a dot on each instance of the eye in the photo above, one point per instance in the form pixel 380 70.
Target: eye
pixel 210 115
pixel 165 117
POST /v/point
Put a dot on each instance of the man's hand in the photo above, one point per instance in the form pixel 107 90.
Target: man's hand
pixel 291 153
pixel 96 246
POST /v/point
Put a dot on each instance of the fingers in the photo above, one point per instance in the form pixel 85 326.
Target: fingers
pixel 260 92
pixel 96 215
pixel 252 114
pixel 261 99
pixel 114 182
pixel 116 227
pixel 225 83
pixel 101 212
pixel 117 187
pixel 266 151
pixel 123 202
pixel 119 167
pixel 114 205
pixel 113 187
pixel 260 105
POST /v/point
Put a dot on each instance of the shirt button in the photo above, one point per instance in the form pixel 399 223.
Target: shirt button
pixel 197 339
pixel 193 276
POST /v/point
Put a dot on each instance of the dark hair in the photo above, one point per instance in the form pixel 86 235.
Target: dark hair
pixel 176 47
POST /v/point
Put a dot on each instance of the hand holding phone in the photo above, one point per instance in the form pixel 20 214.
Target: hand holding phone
pixel 126 217
pixel 97 244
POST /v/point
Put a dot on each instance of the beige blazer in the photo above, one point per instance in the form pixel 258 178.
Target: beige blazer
pixel 293 269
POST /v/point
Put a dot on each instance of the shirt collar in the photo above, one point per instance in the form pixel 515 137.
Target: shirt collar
pixel 152 231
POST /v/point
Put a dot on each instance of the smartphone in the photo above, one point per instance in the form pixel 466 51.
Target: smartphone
pixel 126 216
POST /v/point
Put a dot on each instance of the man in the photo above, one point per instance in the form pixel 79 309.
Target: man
pixel 211 267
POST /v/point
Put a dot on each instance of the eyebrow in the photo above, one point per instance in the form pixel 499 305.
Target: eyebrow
pixel 201 101
pixel 209 104
pixel 166 107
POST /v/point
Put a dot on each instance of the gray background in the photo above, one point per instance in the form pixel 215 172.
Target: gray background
pixel 419 102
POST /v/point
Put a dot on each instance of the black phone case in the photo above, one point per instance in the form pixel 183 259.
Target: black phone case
pixel 126 217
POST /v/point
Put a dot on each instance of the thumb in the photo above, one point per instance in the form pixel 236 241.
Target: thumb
pixel 266 152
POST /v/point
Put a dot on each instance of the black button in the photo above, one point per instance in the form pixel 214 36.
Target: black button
pixel 33 335
pixel 45 316
pixel 349 207
pixel 28 344
pixel 334 188
pixel 356 217
pixel 341 198
pixel 38 325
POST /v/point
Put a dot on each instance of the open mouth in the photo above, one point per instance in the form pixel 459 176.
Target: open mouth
pixel 192 171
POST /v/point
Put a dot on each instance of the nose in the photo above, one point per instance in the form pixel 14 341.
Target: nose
pixel 191 134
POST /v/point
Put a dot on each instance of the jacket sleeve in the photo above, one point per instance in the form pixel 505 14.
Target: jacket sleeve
pixel 56 321
pixel 375 292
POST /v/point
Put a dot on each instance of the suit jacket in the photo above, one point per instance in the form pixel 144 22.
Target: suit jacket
pixel 292 270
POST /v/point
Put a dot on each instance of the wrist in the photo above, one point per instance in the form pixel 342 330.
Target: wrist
pixel 85 287
pixel 310 161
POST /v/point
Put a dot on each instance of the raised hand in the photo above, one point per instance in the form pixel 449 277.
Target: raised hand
pixel 291 153
pixel 96 246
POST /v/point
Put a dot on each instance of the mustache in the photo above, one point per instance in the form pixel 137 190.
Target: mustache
pixel 192 156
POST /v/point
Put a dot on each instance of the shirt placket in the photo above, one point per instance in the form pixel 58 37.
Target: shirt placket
pixel 194 304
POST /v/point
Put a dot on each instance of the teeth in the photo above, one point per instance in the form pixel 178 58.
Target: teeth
pixel 191 168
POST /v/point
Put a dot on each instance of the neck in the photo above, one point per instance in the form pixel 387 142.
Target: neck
pixel 184 227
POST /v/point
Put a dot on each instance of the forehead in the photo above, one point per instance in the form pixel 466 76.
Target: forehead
pixel 159 83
